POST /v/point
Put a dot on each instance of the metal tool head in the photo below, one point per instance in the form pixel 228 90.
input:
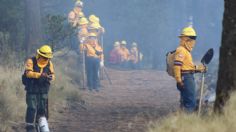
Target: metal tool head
pixel 206 59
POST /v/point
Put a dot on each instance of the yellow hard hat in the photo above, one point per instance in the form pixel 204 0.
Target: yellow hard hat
pixel 116 44
pixel 123 42
pixel 95 26
pixel 45 51
pixel 188 31
pixel 93 19
pixel 79 3
pixel 83 21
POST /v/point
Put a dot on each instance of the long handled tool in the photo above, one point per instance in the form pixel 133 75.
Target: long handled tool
pixel 205 61
pixel 84 73
pixel 102 68
pixel 108 78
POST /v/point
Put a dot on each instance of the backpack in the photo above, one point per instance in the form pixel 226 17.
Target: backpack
pixel 170 57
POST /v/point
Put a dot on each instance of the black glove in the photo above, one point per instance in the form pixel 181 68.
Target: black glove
pixel 180 85
pixel 43 77
pixel 98 53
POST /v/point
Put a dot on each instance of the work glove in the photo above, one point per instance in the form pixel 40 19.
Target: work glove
pixel 101 63
pixel 43 77
pixel 180 85
pixel 49 77
pixel 200 68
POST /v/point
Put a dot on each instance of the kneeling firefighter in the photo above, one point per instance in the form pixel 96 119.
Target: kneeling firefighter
pixel 39 72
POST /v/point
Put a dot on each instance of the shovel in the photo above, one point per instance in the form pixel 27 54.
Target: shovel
pixel 206 59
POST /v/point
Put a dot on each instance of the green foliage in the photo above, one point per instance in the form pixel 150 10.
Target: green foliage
pixel 57 30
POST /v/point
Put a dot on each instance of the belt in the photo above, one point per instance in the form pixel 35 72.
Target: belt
pixel 188 71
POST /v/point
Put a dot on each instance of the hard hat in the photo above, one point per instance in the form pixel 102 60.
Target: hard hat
pixel 81 14
pixel 188 31
pixel 95 26
pixel 83 21
pixel 134 44
pixel 123 42
pixel 79 3
pixel 45 51
pixel 116 44
pixel 93 19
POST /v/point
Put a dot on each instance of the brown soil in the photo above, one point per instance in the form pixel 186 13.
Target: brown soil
pixel 128 105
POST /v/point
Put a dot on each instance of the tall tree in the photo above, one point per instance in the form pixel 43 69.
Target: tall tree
pixel 227 71
pixel 33 25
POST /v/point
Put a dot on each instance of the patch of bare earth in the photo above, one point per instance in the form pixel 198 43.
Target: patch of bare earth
pixel 133 100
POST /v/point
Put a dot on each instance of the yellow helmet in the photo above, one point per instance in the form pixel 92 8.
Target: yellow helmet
pixel 123 42
pixel 93 19
pixel 116 44
pixel 45 51
pixel 83 21
pixel 95 26
pixel 188 31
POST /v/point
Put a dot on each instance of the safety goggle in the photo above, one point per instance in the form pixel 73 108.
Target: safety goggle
pixel 92 38
pixel 193 37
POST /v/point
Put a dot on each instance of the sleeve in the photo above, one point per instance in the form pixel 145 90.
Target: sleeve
pixel 178 62
pixel 29 70
pixel 52 71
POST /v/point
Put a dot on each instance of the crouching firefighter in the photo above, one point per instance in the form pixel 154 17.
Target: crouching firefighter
pixel 39 72
pixel 184 69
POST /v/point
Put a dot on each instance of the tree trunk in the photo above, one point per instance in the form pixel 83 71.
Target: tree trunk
pixel 33 25
pixel 227 72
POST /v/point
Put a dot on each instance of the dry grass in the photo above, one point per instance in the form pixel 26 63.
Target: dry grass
pixel 64 89
pixel 181 122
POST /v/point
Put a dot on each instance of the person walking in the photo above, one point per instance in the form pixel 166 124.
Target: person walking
pixel 39 72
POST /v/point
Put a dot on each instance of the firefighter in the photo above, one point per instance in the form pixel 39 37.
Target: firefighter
pixel 76 14
pixel 39 73
pixel 134 56
pixel 94 56
pixel 184 69
pixel 124 54
pixel 115 54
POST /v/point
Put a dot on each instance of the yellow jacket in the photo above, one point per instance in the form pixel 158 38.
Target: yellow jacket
pixel 124 54
pixel 94 51
pixel 41 64
pixel 183 62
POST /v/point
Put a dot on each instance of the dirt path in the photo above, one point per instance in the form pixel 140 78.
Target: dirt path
pixel 134 99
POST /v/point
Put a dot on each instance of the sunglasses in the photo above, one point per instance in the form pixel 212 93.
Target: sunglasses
pixel 193 37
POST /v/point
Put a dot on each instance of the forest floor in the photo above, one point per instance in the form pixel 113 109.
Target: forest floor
pixel 134 99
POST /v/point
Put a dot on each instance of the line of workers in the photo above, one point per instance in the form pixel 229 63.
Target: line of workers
pixel 90 34
pixel 120 55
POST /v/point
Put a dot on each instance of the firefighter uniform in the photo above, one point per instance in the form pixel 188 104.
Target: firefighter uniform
pixel 39 72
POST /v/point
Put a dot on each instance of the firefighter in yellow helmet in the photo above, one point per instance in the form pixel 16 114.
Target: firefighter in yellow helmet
pixel 184 69
pixel 95 26
pixel 94 55
pixel 39 73
pixel 83 29
pixel 115 54
pixel 76 14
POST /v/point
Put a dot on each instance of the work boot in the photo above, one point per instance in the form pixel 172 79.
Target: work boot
pixel 30 128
